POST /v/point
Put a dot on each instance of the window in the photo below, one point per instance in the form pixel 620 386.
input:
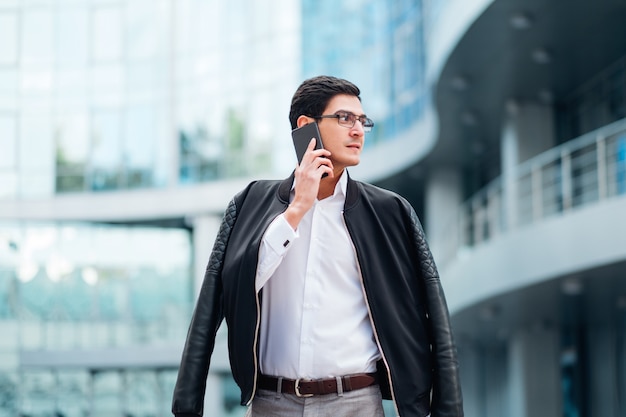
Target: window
pixel 8 142
pixel 36 37
pixel 107 34
pixel 8 38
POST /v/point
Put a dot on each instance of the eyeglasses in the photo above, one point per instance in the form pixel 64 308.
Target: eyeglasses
pixel 347 119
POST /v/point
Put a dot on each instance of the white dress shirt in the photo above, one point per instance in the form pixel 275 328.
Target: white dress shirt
pixel 314 318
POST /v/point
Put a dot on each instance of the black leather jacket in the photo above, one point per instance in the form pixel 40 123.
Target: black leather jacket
pixel 407 306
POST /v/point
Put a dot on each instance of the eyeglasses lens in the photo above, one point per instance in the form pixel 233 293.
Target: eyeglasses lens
pixel 349 119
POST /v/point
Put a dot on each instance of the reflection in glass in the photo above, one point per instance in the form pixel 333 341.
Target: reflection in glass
pixel 8 394
pixel 391 36
pixel 35 144
pixel 8 38
pixel 144 27
pixel 138 150
pixel 8 142
pixel 72 151
pixel 36 155
pixel 37 392
pixel 107 156
pixel 72 393
pixel 108 388
pixel 142 394
pixel 36 44
pixel 72 30
pixel 232 397
pixel 82 286
pixel 75 86
pixel 8 185
pixel 107 34
pixel 167 381
pixel 107 86
pixel 8 87
pixel 174 76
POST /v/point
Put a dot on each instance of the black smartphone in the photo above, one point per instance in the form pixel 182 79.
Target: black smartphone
pixel 303 135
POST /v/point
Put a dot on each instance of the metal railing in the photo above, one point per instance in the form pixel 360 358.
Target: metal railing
pixel 578 173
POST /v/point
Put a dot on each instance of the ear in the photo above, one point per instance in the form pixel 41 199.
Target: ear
pixel 304 120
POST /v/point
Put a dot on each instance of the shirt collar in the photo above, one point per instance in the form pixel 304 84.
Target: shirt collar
pixel 340 188
pixel 342 184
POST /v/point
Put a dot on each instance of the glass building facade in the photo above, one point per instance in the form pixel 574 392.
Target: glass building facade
pixel 115 94
pixel 379 45
pixel 103 96
pixel 76 288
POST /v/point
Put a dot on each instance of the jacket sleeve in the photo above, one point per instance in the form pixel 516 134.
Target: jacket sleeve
pixel 446 396
pixel 190 386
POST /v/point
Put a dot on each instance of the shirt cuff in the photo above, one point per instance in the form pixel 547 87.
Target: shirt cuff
pixel 280 235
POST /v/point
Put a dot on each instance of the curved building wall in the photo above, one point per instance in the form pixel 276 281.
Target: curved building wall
pixel 525 190
pixel 562 199
pixel 558 247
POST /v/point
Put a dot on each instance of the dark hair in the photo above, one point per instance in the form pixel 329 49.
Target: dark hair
pixel 313 95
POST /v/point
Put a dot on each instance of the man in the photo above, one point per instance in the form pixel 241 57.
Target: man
pixel 329 290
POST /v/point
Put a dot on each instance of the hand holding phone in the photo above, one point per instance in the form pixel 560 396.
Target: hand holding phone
pixel 302 137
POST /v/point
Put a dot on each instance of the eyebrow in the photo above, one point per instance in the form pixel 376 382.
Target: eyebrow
pixel 348 111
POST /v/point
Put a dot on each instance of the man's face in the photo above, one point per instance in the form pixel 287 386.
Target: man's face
pixel 344 143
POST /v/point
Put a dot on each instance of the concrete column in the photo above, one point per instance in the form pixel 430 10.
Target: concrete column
pixel 214 398
pixel 534 373
pixel 483 378
pixel 123 392
pixel 536 130
pixel 205 228
pixel 527 131
pixel 603 389
pixel 509 158
pixel 495 381
pixel 443 200
pixel 471 378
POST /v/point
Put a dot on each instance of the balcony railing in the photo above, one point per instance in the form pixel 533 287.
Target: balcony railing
pixel 578 173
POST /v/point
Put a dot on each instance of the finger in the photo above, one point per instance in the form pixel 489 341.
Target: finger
pixel 323 162
pixel 325 170
pixel 311 154
pixel 319 153
pixel 307 154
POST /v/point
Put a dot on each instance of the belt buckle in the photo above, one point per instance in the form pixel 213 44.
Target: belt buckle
pixel 296 388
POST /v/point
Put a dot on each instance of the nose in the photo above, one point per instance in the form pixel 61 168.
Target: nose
pixel 358 127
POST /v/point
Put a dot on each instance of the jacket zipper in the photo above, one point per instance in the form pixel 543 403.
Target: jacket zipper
pixel 369 311
pixel 256 340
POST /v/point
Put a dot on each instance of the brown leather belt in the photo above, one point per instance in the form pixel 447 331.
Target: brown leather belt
pixel 310 387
